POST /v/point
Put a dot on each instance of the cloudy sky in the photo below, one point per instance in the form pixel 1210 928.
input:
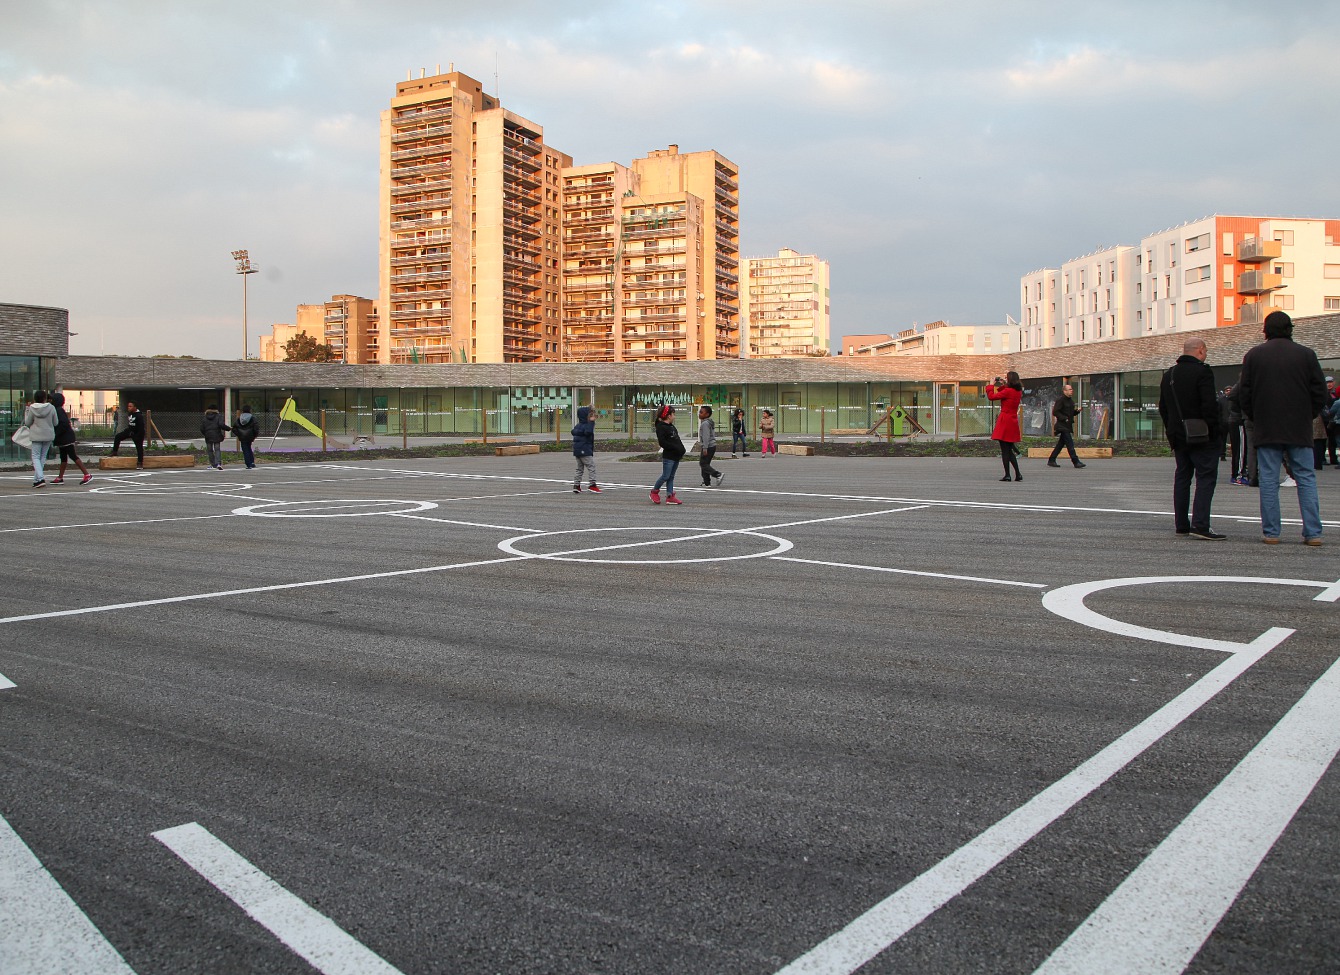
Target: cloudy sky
pixel 933 151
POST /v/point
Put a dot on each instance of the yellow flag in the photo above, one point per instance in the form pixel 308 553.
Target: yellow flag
pixel 290 412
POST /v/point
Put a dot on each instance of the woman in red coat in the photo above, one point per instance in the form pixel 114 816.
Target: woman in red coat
pixel 1006 432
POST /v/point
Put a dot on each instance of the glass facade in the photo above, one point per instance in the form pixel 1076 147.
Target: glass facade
pixel 20 377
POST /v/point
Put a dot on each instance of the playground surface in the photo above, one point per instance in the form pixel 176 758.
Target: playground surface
pixel 834 715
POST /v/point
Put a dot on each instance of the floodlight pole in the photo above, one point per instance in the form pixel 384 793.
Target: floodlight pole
pixel 244 267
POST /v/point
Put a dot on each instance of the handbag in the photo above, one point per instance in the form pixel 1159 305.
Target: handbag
pixel 1195 431
pixel 23 437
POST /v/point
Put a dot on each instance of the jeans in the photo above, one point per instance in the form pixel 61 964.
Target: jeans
pixel 39 450
pixel 247 455
pixel 667 478
pixel 1269 457
pixel 1203 463
pixel 215 451
pixel 738 438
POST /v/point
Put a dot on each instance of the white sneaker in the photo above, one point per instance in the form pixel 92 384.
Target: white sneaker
pixel 1288 482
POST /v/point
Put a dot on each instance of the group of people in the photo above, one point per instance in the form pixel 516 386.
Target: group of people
pixel 1282 397
pixel 1009 392
pixel 246 428
pixel 672 448
pixel 48 424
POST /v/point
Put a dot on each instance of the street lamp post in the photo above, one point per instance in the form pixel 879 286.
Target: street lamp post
pixel 244 267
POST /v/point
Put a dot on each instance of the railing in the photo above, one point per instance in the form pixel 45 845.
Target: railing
pixel 405 331
pixel 421 276
pixel 420 223
pixel 1254 250
pixel 427 169
pixel 1258 282
pixel 436 203
pixel 406 314
pixel 405 189
pixel 411 117
pixel 409 135
pixel 420 151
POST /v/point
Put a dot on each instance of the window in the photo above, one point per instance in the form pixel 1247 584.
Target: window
pixel 1285 237
pixel 1330 304
pixel 1283 301
pixel 1197 274
pixel 1228 310
pixel 1284 269
pixel 1199 243
pixel 1331 271
pixel 1197 306
pixel 1228 275
pixel 1228 245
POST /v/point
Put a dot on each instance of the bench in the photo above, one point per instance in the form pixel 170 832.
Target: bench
pixel 800 450
pixel 151 462
pixel 850 432
pixel 491 440
pixel 511 450
pixel 1087 452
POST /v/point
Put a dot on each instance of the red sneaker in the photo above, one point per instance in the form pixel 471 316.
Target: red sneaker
pixel 58 480
pixel 655 497
pixel 87 478
pixel 594 489
pixel 673 500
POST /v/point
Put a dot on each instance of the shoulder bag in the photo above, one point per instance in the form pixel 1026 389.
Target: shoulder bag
pixel 23 437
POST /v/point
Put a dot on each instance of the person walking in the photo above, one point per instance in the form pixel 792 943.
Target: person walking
pixel 1010 392
pixel 1186 394
pixel 212 428
pixel 40 418
pixel 737 433
pixel 65 441
pixel 672 452
pixel 1283 390
pixel 134 429
pixel 707 447
pixel 1064 412
pixel 246 429
pixel 584 449
pixel 767 428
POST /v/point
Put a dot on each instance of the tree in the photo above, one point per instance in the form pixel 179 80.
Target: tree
pixel 303 348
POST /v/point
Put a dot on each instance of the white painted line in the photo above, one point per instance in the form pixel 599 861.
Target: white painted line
pixel 278 587
pixel 467 524
pixel 240 497
pixel 6 683
pixel 316 938
pixel 890 919
pixel 1330 594
pixel 816 521
pixel 912 572
pixel 113 524
pixel 779 545
pixel 43 931
pixel 1162 913
pixel 1068 603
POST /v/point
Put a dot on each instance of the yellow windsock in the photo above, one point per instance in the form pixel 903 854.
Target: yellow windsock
pixel 290 412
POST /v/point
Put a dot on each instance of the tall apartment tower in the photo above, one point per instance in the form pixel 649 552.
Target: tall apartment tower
pixel 469 239
pixel 785 305
pixel 651 259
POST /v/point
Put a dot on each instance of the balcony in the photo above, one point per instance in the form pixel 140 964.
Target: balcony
pixel 654 317
pixel 1259 282
pixel 515 279
pixel 727 214
pixel 525 177
pixel 422 223
pixel 1254 250
pixel 632 335
pixel 1255 314
pixel 726 181
pixel 589 303
pixel 411 314
pixel 514 137
pixel 432 186
pixel 664 266
pixel 421 276
pixel 588 233
pixel 412 117
pixel 520 159
pixel 421 152
pixel 635 354
pixel 403 331
pixel 515 209
pixel 438 294
pixel 436 203
pixel 428 240
pixel 427 169
pixel 410 135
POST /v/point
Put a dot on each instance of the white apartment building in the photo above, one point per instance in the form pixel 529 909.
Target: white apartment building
pixel 785 305
pixel 1215 271
pixel 939 338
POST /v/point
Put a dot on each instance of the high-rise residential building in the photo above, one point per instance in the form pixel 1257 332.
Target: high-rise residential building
pixel 351 328
pixel 1212 272
pixel 784 304
pixel 651 258
pixel 469 240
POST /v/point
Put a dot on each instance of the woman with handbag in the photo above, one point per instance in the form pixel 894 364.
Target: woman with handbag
pixel 40 419
pixel 1010 393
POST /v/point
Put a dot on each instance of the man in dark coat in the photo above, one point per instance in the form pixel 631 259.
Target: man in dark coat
pixel 1064 412
pixel 1187 393
pixel 1282 391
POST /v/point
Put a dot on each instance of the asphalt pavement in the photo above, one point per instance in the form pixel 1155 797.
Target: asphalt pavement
pixel 834 715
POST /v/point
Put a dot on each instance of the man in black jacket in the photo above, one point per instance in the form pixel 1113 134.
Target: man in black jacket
pixel 1064 412
pixel 1187 393
pixel 1282 392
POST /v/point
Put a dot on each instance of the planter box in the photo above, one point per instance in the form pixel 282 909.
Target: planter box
pixel 151 462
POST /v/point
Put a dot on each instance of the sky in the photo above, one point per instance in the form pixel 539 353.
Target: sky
pixel 932 152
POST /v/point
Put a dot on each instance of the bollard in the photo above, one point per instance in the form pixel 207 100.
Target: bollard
pixel 404 432
pixel 323 431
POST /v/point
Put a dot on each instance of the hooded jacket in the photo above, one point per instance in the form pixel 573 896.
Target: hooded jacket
pixel 667 435
pixel 246 428
pixel 64 428
pixel 40 419
pixel 584 434
pixel 212 427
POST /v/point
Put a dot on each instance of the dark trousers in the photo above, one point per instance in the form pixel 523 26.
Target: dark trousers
pixel 248 457
pixel 705 465
pixel 127 435
pixel 1332 436
pixel 1239 465
pixel 1203 463
pixel 738 438
pixel 1064 438
pixel 1008 457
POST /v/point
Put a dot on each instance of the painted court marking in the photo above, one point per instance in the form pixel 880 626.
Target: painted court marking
pixel 42 930
pixel 320 941
pixel 882 925
pixel 779 545
pixel 1165 910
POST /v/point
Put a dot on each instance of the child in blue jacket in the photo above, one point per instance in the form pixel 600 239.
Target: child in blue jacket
pixel 584 448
